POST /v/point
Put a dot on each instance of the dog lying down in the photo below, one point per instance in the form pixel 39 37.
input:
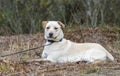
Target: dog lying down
pixel 62 50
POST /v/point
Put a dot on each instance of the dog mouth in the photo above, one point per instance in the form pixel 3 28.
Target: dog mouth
pixel 52 37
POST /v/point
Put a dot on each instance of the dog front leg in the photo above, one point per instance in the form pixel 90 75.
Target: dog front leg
pixel 44 55
pixel 52 58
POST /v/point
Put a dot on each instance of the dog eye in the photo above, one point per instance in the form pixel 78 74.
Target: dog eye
pixel 48 27
pixel 55 28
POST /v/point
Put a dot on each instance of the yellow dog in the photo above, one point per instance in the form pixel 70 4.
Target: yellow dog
pixel 63 50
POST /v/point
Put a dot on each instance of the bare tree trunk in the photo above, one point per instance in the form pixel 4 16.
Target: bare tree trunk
pixel 102 9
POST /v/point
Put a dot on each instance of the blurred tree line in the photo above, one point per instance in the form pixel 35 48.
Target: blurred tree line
pixel 25 16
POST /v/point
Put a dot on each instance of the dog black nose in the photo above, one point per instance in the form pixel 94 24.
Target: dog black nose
pixel 50 34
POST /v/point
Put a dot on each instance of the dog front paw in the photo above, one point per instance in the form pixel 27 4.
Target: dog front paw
pixel 44 55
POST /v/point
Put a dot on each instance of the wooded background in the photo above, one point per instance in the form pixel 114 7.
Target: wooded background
pixel 25 16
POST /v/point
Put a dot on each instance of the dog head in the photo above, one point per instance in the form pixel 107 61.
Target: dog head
pixel 53 30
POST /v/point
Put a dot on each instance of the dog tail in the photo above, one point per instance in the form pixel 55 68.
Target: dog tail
pixel 109 56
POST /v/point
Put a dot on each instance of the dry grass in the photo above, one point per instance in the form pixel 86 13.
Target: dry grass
pixel 16 65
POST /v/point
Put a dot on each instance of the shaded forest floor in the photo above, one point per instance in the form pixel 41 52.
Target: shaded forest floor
pixel 16 65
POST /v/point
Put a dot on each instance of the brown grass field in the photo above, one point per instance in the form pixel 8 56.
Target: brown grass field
pixel 16 65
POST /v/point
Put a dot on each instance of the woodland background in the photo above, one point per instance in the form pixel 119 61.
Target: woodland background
pixel 25 16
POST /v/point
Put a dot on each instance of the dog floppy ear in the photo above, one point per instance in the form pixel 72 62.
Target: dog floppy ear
pixel 61 24
pixel 44 23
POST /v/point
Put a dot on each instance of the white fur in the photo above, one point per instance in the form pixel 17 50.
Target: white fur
pixel 68 51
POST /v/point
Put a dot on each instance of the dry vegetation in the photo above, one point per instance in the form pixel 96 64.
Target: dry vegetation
pixel 16 65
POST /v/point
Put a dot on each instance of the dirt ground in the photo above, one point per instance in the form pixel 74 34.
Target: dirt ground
pixel 17 65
